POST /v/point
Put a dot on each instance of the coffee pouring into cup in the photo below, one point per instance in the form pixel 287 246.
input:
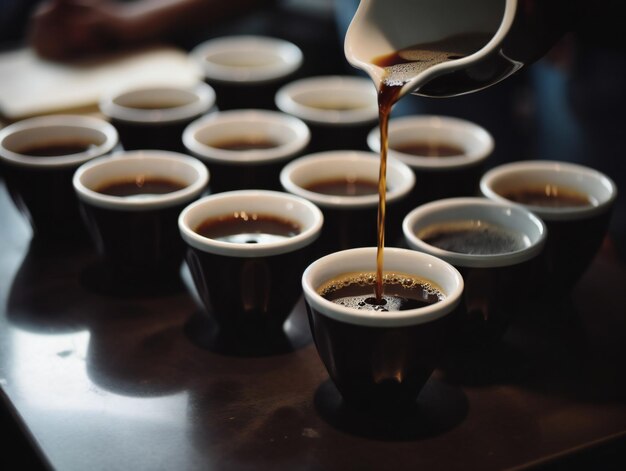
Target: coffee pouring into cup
pixel 441 49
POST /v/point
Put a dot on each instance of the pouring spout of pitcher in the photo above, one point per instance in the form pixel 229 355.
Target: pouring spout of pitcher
pixel 382 27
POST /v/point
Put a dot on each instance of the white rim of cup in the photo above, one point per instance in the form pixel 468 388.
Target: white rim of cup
pixel 42 129
pixel 262 121
pixel 577 177
pixel 288 57
pixel 159 163
pixel 198 99
pixel 332 164
pixel 288 206
pixel 506 215
pixel 476 140
pixel 363 259
pixel 291 98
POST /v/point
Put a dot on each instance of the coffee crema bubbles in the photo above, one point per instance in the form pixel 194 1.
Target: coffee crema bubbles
pixel 402 292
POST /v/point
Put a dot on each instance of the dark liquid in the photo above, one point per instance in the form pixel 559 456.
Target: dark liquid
pixel 154 106
pixel 248 143
pixel 335 106
pixel 429 149
pixel 400 67
pixel 57 149
pixel 473 237
pixel 401 292
pixel 344 187
pixel 140 185
pixel 248 228
pixel 548 196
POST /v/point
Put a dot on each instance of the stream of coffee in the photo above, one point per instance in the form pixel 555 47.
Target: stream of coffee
pixel 400 67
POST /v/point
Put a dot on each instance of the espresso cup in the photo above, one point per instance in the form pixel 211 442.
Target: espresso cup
pixel 130 203
pixel 38 157
pixel 574 201
pixel 155 117
pixel 381 359
pixel 246 149
pixel 246 70
pixel 246 251
pixel 344 185
pixel 339 110
pixel 447 154
pixel 495 246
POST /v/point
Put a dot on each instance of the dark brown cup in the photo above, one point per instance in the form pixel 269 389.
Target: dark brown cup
pixel 339 110
pixel 380 360
pixel 497 282
pixel 137 236
pixel 249 289
pixel 575 234
pixel 246 70
pixel 155 117
pixel 439 177
pixel 41 186
pixel 262 142
pixel 350 220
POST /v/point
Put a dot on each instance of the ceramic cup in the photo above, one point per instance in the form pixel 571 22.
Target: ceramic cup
pixel 246 149
pixel 131 202
pixel 339 110
pixel 155 117
pixel 494 245
pixel 574 201
pixel 246 70
pixel 418 140
pixel 246 252
pixel 344 185
pixel 38 157
pixel 380 359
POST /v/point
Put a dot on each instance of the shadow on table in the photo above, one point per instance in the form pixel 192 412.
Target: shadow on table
pixel 439 408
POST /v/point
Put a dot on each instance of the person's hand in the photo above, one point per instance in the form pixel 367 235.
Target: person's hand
pixel 63 29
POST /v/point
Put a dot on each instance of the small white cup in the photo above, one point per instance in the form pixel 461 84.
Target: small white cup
pixel 340 110
pixel 155 117
pixel 380 359
pixel 137 236
pixel 249 289
pixel 496 282
pixel 439 177
pixel 350 220
pixel 246 70
pixel 256 168
pixel 575 233
pixel 34 181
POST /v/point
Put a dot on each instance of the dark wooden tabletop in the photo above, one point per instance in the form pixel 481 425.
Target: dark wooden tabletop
pixel 115 380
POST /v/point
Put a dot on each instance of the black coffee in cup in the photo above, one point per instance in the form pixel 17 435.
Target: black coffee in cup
pixel 57 148
pixel 344 187
pixel 248 228
pixel 140 185
pixel 548 195
pixel 428 149
pixel 400 292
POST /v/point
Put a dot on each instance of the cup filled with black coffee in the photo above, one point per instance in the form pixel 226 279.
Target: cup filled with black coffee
pixel 379 352
pixel 130 202
pixel 246 252
pixel 339 110
pixel 246 149
pixel 495 246
pixel 38 157
pixel 344 185
pixel 246 70
pixel 447 154
pixel 154 117
pixel 574 201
